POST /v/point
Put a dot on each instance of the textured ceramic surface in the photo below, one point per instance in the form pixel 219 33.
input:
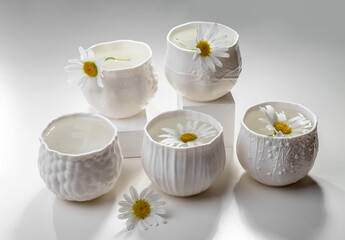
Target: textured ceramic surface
pixel 126 91
pixel 183 171
pixel 187 77
pixel 80 177
pixel 278 161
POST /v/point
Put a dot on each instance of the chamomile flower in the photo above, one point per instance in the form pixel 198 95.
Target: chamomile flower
pixel 190 135
pixel 86 68
pixel 209 47
pixel 281 126
pixel 143 209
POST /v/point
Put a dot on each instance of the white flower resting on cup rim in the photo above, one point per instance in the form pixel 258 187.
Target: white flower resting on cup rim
pixel 282 126
pixel 143 209
pixel 188 136
pixel 208 47
pixel 86 68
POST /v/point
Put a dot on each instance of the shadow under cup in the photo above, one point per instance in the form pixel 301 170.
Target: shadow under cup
pixel 278 161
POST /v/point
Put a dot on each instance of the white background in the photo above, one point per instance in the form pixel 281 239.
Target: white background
pixel 291 51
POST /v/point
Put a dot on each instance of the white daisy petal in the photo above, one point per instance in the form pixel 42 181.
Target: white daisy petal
pixel 124 203
pixel 221 39
pixel 195 56
pixel 124 209
pixel 78 65
pixel 221 54
pixel 157 204
pixel 76 61
pixel 134 193
pixel 203 63
pixel 135 213
pixel 279 122
pixel 159 211
pixel 216 61
pixel 143 193
pixel 159 218
pixel 143 226
pixel 153 197
pixel 210 64
pixel 151 221
pixel 128 198
pixel 124 215
pixel 169 130
pixel 200 33
pixel 212 33
pixel 204 131
pixel 194 125
pixel 83 54
pixel 132 222
pixel 91 54
pixel 99 82
pixel 220 49
pixel 180 128
pixel 73 68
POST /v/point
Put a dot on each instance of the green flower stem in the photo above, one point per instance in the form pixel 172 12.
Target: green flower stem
pixel 117 59
pixel 183 45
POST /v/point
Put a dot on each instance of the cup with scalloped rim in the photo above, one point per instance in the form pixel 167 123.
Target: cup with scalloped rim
pixel 80 157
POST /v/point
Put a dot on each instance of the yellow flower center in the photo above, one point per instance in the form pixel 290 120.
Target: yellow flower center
pixel 284 128
pixel 90 69
pixel 187 137
pixel 204 47
pixel 141 208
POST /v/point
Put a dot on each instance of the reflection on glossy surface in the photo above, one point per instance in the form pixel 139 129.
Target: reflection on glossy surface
pixel 81 220
pixel 194 217
pixel 293 212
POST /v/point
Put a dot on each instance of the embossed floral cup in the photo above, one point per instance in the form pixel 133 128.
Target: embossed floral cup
pixel 128 85
pixel 182 171
pixel 80 158
pixel 187 77
pixel 278 161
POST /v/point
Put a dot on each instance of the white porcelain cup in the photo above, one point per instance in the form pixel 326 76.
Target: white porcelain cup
pixel 278 161
pixel 182 171
pixel 128 87
pixel 187 76
pixel 80 158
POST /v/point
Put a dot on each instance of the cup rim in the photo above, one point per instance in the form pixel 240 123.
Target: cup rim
pixel 188 111
pixel 198 22
pixel 93 115
pixel 125 40
pixel 315 120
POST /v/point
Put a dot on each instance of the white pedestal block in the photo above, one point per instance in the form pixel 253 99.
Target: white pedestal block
pixel 131 132
pixel 222 109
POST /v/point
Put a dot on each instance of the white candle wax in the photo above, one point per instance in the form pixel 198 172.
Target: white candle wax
pixel 188 33
pixel 128 54
pixel 252 120
pixel 78 135
pixel 172 122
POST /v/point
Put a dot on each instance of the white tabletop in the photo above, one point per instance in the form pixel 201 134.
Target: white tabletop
pixel 291 51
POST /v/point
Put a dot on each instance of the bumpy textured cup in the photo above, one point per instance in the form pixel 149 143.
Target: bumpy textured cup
pixel 126 91
pixel 278 161
pixel 183 171
pixel 80 177
pixel 187 77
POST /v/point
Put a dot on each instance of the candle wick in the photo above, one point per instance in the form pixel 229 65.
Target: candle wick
pixel 183 45
pixel 117 59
